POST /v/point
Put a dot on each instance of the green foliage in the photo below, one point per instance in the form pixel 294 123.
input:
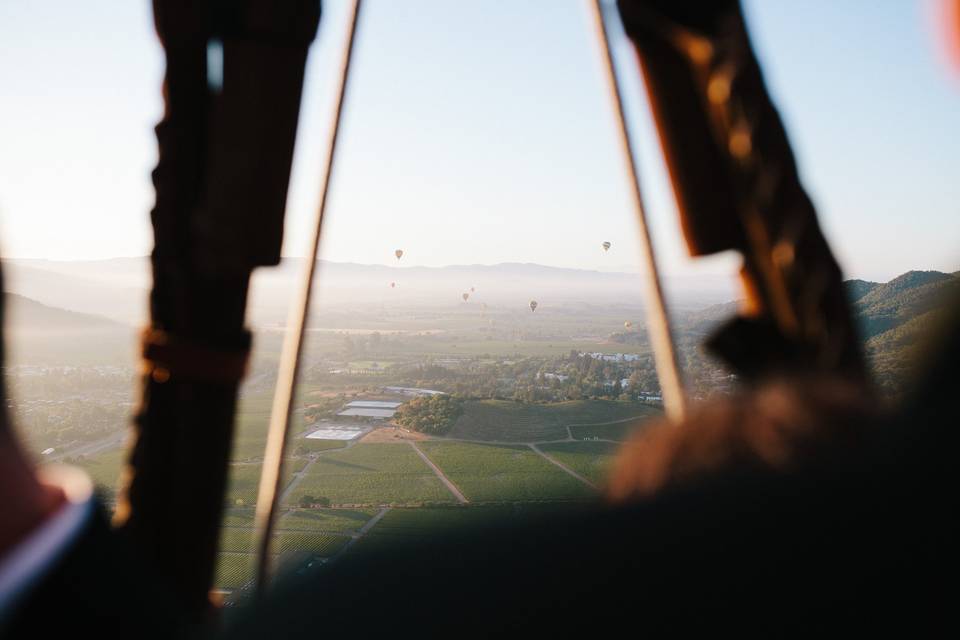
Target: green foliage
pixel 236 540
pixel 323 408
pixel 618 431
pixel 243 482
pixel 326 520
pixel 900 319
pixel 307 501
pixel 856 289
pixel 503 473
pixel 306 446
pixel 372 474
pixel 508 421
pixel 315 543
pixel 592 460
pixel 429 414
pixel 233 570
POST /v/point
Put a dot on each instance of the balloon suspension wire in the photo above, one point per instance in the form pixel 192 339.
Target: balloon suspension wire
pixel 658 324
pixel 283 398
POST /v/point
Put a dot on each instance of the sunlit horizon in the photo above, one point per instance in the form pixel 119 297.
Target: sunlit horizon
pixel 501 151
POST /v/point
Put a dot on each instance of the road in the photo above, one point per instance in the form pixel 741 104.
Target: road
pixel 562 466
pixel 462 499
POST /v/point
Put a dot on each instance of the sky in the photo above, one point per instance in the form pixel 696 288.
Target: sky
pixel 481 132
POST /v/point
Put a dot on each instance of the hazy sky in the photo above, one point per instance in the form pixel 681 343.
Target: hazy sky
pixel 480 132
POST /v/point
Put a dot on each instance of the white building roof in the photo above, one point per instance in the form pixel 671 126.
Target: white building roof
pixel 337 433
pixel 368 413
pixel 413 391
pixel 374 404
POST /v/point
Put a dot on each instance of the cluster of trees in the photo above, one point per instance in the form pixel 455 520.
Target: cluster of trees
pixel 57 406
pixel 323 408
pixel 308 501
pixel 574 376
pixel 429 414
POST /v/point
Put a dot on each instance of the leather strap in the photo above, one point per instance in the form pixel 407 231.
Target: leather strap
pixel 166 355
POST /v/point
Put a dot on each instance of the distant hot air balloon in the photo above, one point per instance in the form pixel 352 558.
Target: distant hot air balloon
pixel 533 305
pixel 393 284
pixel 606 246
pixel 472 289
pixel 398 253
pixel 465 296
pixel 627 324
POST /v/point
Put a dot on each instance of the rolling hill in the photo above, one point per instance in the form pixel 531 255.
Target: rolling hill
pixel 896 320
pixel 899 319
pixel 25 316
pixel 41 334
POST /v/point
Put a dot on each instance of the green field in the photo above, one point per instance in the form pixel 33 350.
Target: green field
pixel 320 544
pixel 238 517
pixel 372 474
pixel 503 473
pixel 242 541
pixel 327 520
pixel 507 421
pixel 233 570
pixel 242 484
pixel 104 469
pixel 243 480
pixel 592 460
pixel 618 431
pixel 236 540
pixel 253 417
pixel 314 446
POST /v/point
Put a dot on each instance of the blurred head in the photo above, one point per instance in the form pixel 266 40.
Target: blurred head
pixel 783 426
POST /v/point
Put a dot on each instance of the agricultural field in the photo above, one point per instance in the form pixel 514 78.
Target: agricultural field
pixel 104 469
pixel 238 517
pixel 592 460
pixel 503 473
pixel 616 431
pixel 253 416
pixel 236 540
pixel 233 570
pixel 371 474
pixel 508 421
pixel 309 445
pixel 320 544
pixel 326 520
pixel 243 481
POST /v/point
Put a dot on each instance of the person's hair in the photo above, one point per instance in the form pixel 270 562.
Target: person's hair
pixel 780 426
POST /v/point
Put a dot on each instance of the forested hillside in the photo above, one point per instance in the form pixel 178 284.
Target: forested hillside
pixel 899 319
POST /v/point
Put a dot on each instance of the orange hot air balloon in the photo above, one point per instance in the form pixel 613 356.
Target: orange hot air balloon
pixel 398 253
pixel 465 296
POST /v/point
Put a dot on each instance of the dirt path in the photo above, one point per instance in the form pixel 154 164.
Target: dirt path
pixel 294 481
pixel 563 466
pixel 362 531
pixel 462 499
